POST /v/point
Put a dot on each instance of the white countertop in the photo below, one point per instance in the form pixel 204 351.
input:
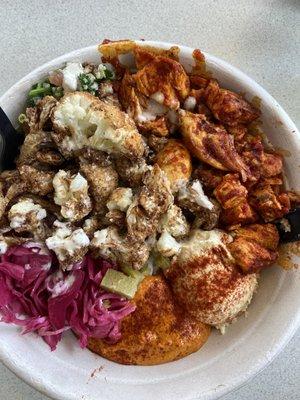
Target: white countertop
pixel 258 36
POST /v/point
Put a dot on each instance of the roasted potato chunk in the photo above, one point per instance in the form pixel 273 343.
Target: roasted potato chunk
pixel 175 160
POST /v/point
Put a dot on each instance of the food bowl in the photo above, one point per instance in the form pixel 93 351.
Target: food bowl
pixel 225 362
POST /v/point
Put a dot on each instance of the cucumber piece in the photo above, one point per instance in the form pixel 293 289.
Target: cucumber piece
pixel 117 282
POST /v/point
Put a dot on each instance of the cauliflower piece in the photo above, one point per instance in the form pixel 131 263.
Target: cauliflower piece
pixel 115 217
pixel 81 120
pixel 193 193
pixel 103 180
pixel 27 216
pixel 149 205
pixel 109 244
pixel 174 222
pixel 31 145
pixel 71 73
pixel 91 225
pixel 132 172
pixel 69 245
pixel 167 246
pixel 49 157
pixel 38 117
pixel 175 160
pixel 71 193
pixel 37 181
pixel 120 199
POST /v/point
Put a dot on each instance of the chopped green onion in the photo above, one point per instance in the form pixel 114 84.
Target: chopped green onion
pixel 22 118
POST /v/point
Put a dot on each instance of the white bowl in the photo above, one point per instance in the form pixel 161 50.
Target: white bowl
pixel 225 362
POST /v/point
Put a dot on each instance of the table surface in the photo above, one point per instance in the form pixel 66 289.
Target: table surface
pixel 259 37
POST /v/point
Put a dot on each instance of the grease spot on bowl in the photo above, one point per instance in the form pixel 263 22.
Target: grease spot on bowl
pixel 283 152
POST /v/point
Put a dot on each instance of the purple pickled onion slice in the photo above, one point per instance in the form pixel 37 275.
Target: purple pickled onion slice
pixel 38 297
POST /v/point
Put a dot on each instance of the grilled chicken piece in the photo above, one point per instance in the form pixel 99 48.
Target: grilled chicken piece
pixel 232 196
pixel 175 160
pixel 269 204
pixel 159 331
pixel 164 76
pixel 145 54
pixel 211 143
pixel 228 107
pixel 209 177
pixel 271 165
pixel 255 246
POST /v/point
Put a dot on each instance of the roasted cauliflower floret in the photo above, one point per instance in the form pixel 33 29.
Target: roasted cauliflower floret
pixel 103 180
pixel 254 246
pixel 71 193
pixel 115 217
pixel 120 199
pixel 37 181
pixel 49 157
pixel 27 216
pixel 91 225
pixel 69 245
pixel 229 107
pixel 174 222
pixel 108 243
pixel 37 118
pixel 211 143
pixel 192 197
pixel 131 172
pixel 175 161
pixel 81 120
pixel 32 144
pixel 232 196
pixel 167 245
pixel 149 205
